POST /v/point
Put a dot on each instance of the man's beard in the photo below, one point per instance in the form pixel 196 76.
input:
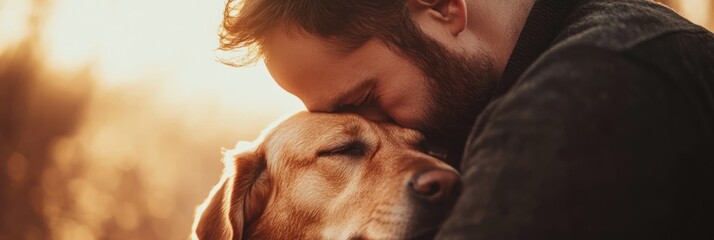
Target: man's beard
pixel 460 88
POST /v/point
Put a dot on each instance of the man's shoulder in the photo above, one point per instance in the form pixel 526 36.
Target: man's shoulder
pixel 581 77
pixel 588 99
pixel 583 86
pixel 620 25
pixel 611 66
pixel 622 43
pixel 624 46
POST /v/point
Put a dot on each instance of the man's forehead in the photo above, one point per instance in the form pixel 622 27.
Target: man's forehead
pixel 297 39
pixel 291 57
pixel 304 66
pixel 295 64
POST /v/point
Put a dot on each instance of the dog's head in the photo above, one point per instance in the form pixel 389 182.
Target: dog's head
pixel 335 176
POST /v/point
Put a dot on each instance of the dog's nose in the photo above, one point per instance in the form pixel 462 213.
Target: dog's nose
pixel 436 185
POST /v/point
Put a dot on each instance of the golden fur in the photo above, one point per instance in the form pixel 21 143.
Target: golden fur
pixel 321 176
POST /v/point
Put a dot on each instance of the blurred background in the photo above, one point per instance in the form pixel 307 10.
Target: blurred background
pixel 113 114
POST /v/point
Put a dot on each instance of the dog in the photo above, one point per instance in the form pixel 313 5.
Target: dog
pixel 330 176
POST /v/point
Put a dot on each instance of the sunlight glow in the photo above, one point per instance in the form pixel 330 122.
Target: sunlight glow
pixel 165 44
pixel 14 16
pixel 160 109
pixel 698 11
pixel 121 113
pixel 73 33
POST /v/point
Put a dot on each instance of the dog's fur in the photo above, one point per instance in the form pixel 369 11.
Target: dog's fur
pixel 329 176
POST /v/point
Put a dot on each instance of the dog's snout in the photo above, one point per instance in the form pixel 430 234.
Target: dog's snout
pixel 436 185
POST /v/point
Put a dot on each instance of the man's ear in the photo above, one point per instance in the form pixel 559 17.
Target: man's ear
pixel 449 13
pixel 234 203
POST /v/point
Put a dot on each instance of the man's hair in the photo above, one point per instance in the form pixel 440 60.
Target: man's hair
pixel 350 23
pixel 460 85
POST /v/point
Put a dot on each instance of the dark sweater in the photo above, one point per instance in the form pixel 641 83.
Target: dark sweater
pixel 602 128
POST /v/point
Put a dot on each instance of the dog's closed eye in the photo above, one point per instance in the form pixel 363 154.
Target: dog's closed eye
pixel 353 149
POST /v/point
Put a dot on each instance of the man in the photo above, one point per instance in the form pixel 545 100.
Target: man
pixel 594 119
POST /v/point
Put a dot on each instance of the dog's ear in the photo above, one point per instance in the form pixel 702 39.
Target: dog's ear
pixel 212 221
pixel 235 202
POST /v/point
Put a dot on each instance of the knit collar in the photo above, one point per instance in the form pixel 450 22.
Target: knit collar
pixel 543 24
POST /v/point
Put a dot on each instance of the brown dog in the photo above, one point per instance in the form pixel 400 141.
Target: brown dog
pixel 330 176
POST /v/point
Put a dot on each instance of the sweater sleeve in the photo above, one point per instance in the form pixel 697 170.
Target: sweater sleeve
pixel 589 144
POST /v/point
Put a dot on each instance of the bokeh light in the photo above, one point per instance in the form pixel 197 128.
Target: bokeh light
pixel 113 114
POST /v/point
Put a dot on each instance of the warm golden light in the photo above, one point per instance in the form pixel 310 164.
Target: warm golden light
pixel 129 109
pixel 161 109
pixel 114 113
pixel 14 15
pixel 698 11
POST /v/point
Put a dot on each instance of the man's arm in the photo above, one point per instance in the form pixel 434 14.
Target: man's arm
pixel 589 144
